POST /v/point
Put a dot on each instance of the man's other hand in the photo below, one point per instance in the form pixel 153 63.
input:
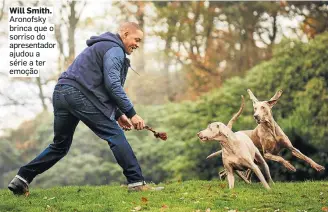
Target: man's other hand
pixel 138 122
pixel 124 122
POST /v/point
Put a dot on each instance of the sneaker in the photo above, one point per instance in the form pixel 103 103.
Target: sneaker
pixel 144 188
pixel 19 186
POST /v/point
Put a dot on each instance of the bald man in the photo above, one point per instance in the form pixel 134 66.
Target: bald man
pixel 91 90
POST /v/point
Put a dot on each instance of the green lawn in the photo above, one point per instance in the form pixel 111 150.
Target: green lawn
pixel 178 196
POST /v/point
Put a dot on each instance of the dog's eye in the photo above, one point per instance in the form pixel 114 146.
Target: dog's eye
pixel 262 107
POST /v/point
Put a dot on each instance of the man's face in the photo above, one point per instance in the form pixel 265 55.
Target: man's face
pixel 131 40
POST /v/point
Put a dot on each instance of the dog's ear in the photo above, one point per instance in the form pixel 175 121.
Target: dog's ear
pixel 251 96
pixel 224 130
pixel 274 99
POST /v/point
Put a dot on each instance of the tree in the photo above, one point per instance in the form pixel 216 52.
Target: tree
pixel 69 20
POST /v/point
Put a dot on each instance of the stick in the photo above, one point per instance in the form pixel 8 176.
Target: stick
pixel 161 135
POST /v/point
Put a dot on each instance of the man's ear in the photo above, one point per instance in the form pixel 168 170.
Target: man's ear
pixel 126 33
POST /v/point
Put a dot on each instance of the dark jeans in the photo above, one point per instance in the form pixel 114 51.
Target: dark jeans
pixel 71 106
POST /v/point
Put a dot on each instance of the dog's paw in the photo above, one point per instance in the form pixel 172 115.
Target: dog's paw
pixel 290 167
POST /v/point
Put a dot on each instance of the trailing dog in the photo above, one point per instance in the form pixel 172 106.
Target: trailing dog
pixel 269 137
pixel 238 150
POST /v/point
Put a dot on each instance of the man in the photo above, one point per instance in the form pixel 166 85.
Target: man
pixel 91 90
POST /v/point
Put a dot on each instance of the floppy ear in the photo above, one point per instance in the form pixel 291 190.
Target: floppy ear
pixel 224 130
pixel 251 96
pixel 274 99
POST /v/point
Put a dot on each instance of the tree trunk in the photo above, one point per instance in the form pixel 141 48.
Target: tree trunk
pixel 41 95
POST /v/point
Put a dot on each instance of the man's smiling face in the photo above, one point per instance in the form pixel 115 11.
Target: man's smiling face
pixel 131 40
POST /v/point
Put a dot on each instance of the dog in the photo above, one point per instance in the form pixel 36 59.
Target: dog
pixel 269 137
pixel 238 150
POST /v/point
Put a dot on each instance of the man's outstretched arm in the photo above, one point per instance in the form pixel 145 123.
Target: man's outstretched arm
pixel 113 64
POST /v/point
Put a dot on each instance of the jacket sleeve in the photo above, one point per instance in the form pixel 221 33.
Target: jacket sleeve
pixel 113 64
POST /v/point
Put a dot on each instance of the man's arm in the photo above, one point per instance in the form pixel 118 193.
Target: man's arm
pixel 113 64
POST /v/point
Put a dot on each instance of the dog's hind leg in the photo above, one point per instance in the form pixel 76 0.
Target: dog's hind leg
pixel 249 174
pixel 301 156
pixel 260 159
pixel 244 178
pixel 223 174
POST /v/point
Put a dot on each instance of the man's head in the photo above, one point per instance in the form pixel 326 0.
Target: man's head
pixel 131 35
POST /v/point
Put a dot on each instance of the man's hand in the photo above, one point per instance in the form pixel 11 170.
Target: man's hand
pixel 138 122
pixel 124 122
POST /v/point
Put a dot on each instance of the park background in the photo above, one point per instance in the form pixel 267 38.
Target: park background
pixel 197 58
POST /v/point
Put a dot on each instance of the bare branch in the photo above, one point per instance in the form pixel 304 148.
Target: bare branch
pixel 79 15
pixel 12 100
pixel 2 8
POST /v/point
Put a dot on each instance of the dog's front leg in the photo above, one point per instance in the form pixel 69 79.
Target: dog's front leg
pixel 259 174
pixel 261 160
pixel 279 159
pixel 231 177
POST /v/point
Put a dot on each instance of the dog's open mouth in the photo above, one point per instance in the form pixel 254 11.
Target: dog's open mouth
pixel 258 121
pixel 203 138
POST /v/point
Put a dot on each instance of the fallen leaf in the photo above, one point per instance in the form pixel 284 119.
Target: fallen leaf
pixel 208 210
pixel 164 206
pixel 138 208
pixel 51 198
pixel 144 200
pixel 325 209
pixel 223 186
pixel 45 197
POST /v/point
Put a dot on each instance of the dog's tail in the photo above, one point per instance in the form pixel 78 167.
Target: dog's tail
pixel 234 118
pixel 214 154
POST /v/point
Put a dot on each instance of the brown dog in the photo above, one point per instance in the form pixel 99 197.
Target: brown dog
pixel 238 150
pixel 269 137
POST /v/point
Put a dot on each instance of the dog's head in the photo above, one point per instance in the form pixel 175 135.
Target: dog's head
pixel 215 131
pixel 262 109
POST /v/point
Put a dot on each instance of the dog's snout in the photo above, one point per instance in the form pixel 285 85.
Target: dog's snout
pixel 256 116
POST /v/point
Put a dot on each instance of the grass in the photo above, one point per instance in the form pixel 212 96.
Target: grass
pixel 178 196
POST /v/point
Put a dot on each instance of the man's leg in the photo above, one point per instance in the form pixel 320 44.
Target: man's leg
pixel 110 131
pixel 64 127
